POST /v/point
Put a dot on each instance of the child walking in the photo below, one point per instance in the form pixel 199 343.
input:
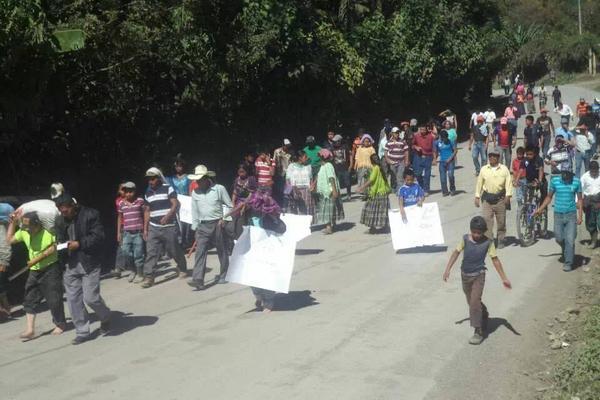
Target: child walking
pixel 375 211
pixel 476 247
pixel 410 194
pixel 131 219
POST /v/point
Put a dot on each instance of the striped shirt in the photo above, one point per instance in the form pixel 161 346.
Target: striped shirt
pixel 395 150
pixel 565 199
pixel 159 202
pixel 263 172
pixel 132 214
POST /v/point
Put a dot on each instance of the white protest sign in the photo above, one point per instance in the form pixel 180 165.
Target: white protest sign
pixel 262 259
pixel 423 227
pixel 185 208
pixel 297 226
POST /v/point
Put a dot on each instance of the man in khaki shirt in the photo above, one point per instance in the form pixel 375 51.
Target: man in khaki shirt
pixel 493 192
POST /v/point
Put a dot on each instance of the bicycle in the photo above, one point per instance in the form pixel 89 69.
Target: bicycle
pixel 530 226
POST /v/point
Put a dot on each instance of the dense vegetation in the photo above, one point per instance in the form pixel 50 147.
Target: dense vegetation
pixel 95 91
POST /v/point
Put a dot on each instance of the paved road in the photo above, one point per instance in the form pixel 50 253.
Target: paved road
pixel 361 322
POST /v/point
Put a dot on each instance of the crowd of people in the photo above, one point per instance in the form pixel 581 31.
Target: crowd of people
pixel 308 180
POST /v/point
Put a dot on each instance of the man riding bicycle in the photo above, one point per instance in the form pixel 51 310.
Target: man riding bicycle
pixel 530 177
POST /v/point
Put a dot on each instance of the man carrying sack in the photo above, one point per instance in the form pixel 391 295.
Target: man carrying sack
pixel 493 193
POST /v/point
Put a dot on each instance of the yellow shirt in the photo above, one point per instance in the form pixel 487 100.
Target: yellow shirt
pixel 36 245
pixel 363 157
pixel 493 180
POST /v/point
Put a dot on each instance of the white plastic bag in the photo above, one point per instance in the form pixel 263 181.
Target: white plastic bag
pixel 46 211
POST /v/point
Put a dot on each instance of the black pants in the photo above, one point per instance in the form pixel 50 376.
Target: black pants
pixel 47 284
pixel 3 282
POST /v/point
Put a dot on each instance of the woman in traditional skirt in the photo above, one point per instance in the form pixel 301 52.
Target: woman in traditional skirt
pixel 375 211
pixel 330 208
pixel 362 159
pixel 298 188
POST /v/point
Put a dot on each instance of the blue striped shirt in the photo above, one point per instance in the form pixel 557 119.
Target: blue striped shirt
pixel 565 199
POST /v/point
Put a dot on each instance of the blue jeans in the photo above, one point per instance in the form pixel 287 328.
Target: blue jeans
pixel 422 168
pixel 520 191
pixel 582 159
pixel 133 247
pixel 447 173
pixel 565 232
pixel 478 151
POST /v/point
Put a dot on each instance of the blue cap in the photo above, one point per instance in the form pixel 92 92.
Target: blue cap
pixel 5 211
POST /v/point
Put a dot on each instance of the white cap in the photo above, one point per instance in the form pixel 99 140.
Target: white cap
pixel 395 129
pixel 286 142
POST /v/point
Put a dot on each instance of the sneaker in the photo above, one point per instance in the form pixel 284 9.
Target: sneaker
pixel 501 244
pixel 79 340
pixel 477 337
pixel 105 327
pixel 183 275
pixel 198 285
pixel 139 278
pixel 453 193
pixel 222 280
pixel 446 194
pixel 147 282
pixel 131 277
pixel 117 274
pixel 567 268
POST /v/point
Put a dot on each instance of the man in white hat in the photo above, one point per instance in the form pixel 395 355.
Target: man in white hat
pixel 208 201
pixel 160 226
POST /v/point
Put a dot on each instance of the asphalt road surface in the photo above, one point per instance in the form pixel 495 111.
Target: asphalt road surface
pixel 360 322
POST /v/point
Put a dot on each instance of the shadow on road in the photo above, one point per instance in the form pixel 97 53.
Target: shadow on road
pixel 308 252
pixel 294 300
pixel 423 249
pixel 494 323
pixel 124 322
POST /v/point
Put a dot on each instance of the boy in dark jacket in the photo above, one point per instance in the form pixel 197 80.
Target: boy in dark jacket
pixel 476 247
pixel 79 228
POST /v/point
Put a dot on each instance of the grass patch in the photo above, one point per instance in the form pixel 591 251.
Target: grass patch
pixel 579 374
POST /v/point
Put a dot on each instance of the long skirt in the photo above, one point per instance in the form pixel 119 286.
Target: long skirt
pixel 375 212
pixel 300 202
pixel 329 210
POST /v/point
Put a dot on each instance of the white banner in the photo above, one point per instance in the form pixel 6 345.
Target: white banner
pixel 185 208
pixel 262 259
pixel 423 227
pixel 297 226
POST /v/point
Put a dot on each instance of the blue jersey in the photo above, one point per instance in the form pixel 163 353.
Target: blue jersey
pixel 411 194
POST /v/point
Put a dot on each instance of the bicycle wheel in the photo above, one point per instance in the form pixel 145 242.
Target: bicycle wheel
pixel 525 226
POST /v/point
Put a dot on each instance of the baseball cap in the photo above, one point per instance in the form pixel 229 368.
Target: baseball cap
pixel 413 122
pixel 337 138
pixel 395 129
pixel 128 185
pixel 286 142
pixel 494 150
pixel 310 139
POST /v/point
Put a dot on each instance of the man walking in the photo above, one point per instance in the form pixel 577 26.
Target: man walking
pixel 208 200
pixel 478 144
pixel 396 158
pixel 80 229
pixel 590 186
pixel 423 148
pixel 506 139
pixel 493 192
pixel 160 229
pixel 281 158
pixel 341 164
pixel 556 96
pixel 568 211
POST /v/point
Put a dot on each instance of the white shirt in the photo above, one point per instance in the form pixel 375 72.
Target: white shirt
pixel 489 116
pixel 474 117
pixel 590 186
pixel 565 111
pixel 584 142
